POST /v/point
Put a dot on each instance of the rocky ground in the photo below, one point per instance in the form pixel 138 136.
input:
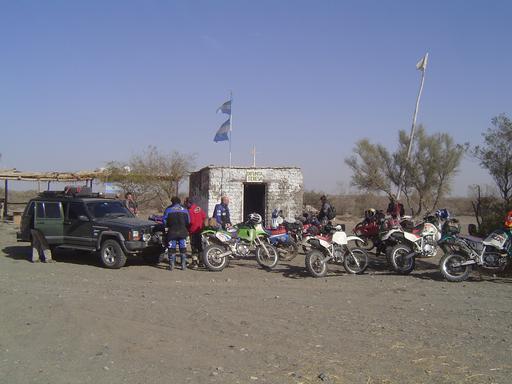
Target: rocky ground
pixel 75 322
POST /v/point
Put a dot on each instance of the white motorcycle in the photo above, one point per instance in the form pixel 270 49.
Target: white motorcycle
pixel 334 248
pixel 402 256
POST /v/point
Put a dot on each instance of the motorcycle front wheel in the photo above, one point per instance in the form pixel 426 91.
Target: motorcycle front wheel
pixel 451 268
pixel 356 261
pixel 367 244
pixel 316 264
pixel 266 256
pixel 212 259
pixel 399 262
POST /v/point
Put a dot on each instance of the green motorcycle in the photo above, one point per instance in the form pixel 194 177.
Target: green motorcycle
pixel 222 245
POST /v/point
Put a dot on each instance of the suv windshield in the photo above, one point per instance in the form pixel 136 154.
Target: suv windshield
pixel 99 209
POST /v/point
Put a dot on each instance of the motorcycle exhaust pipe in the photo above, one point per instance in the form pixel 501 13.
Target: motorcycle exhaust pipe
pixel 225 254
pixel 469 262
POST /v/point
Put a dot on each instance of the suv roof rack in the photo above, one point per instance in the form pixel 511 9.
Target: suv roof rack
pixel 71 194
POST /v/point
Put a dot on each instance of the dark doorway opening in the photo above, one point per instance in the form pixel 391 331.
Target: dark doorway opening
pixel 254 199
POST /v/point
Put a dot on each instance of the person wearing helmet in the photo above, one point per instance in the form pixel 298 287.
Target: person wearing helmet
pixel 369 215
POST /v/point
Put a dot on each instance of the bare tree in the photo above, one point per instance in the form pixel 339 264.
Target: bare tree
pixel 152 176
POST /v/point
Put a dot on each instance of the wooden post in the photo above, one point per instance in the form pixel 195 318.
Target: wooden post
pixel 5 198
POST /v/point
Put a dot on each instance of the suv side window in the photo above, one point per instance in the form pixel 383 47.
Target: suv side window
pixel 40 209
pixel 30 210
pixel 76 209
pixel 48 210
pixel 52 210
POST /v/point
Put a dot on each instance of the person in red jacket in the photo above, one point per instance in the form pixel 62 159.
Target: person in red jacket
pixel 197 218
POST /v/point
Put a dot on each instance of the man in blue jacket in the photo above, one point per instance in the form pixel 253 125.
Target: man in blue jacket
pixel 177 220
pixel 221 213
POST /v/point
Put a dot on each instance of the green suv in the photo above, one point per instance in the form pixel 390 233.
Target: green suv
pixel 91 222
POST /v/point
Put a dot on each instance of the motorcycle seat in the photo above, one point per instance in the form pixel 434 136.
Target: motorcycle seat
pixel 474 239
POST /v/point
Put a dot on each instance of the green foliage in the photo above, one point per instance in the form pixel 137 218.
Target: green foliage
pixel 428 173
pixel 496 155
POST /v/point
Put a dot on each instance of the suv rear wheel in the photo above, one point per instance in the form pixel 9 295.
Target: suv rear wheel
pixel 112 255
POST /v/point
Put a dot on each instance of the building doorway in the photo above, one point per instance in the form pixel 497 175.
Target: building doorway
pixel 254 199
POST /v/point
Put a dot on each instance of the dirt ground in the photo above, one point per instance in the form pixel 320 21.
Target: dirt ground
pixel 75 322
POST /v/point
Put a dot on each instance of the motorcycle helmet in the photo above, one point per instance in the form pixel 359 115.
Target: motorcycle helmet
pixel 443 214
pixel 370 213
pixel 508 220
pixel 255 218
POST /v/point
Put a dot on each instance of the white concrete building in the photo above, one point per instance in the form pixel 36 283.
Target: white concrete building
pixel 250 190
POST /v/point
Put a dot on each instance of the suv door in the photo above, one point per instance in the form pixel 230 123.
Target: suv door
pixel 78 226
pixel 49 219
pixel 27 222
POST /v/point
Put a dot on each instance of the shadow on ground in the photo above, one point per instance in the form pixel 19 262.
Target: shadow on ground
pixel 19 252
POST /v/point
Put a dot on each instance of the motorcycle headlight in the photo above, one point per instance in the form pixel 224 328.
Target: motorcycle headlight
pixel 135 235
pixel 146 237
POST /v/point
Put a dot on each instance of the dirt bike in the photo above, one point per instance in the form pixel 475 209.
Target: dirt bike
pixel 286 239
pixel 334 248
pixel 402 257
pixel 377 233
pixel 222 245
pixel 492 253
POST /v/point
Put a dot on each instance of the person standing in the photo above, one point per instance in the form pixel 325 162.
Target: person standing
pixel 221 213
pixel 325 213
pixel 177 221
pixel 130 203
pixel 395 208
pixel 197 219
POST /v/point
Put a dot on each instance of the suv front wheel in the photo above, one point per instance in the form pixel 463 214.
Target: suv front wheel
pixel 112 255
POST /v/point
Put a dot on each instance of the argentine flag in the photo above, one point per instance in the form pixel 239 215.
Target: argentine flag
pixel 225 108
pixel 223 132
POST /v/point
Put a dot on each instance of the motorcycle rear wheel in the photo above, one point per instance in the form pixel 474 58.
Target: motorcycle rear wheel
pixel 291 250
pixel 357 262
pixel 267 261
pixel 211 258
pixel 451 271
pixel 398 261
pixel 315 263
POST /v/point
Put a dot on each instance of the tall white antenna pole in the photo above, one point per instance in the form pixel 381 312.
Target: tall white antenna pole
pixel 413 127
pixel 230 125
pixel 254 156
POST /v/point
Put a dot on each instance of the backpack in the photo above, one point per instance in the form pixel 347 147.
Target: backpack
pixel 331 212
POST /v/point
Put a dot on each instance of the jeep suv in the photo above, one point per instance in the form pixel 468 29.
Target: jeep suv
pixel 90 222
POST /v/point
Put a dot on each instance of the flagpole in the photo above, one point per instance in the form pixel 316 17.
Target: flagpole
pixel 230 125
pixel 413 127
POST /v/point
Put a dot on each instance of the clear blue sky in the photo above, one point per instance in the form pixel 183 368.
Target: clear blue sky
pixel 86 82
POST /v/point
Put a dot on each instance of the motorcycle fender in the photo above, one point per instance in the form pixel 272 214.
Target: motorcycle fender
pixel 411 237
pixel 354 238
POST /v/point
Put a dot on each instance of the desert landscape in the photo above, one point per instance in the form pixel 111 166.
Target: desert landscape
pixel 75 322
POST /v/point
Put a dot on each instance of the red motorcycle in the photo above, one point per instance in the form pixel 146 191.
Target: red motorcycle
pixel 372 229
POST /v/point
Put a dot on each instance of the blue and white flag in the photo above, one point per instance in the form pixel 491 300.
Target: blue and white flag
pixel 223 132
pixel 225 108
